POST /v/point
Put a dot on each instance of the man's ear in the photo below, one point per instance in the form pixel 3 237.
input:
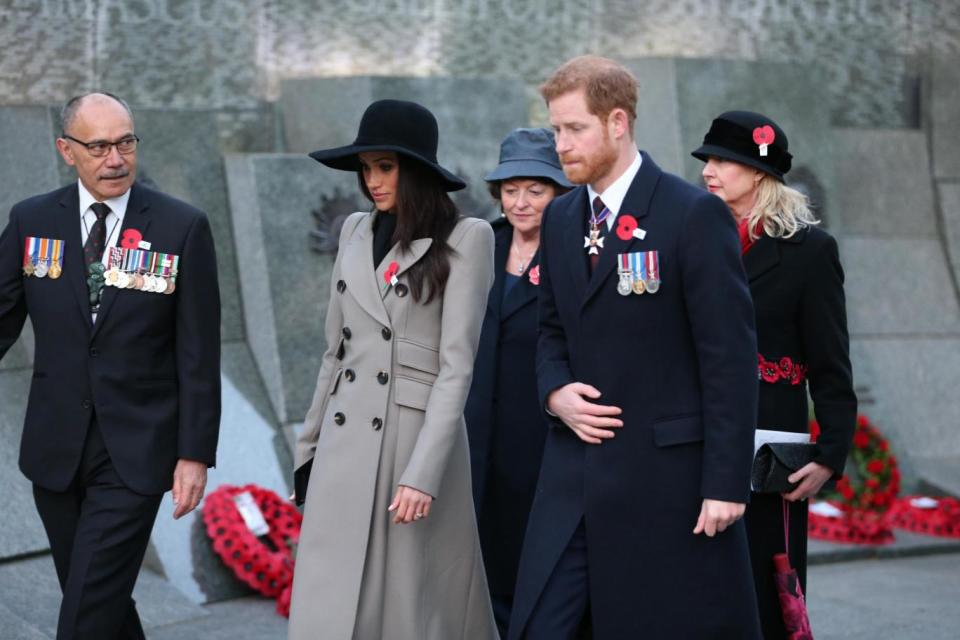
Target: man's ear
pixel 66 152
pixel 619 123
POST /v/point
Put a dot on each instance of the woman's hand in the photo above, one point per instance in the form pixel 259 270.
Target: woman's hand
pixel 410 505
pixel 811 477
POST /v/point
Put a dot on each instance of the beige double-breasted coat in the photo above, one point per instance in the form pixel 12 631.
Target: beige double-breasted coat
pixel 388 410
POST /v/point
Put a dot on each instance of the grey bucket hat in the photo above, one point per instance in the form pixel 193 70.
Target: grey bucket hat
pixel 529 153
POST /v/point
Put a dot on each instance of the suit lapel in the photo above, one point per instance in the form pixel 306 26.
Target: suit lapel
pixel 761 257
pixel 357 269
pixel 572 251
pixel 523 292
pixel 637 204
pixel 503 235
pixel 404 260
pixel 136 217
pixel 74 268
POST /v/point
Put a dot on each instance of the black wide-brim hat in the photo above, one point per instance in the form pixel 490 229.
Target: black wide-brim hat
pixel 393 125
pixel 749 138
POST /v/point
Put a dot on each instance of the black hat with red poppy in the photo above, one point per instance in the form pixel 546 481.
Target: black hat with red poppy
pixel 749 138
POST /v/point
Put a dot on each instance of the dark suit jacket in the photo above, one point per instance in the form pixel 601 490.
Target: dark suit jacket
pixel 505 425
pixel 681 364
pixel 149 369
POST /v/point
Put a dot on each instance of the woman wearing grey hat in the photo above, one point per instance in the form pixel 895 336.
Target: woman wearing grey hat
pixel 504 420
pixel 389 545
pixel 797 286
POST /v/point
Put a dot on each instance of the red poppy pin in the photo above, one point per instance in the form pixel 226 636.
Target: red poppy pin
pixel 535 276
pixel 390 275
pixel 764 137
pixel 626 225
pixel 131 239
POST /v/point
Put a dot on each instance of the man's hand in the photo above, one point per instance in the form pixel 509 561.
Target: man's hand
pixel 591 422
pixel 410 505
pixel 717 515
pixel 811 477
pixel 189 482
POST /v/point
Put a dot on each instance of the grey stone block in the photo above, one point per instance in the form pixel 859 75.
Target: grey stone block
pixel 20 529
pixel 247 453
pixel 913 383
pixel 945 115
pixel 285 285
pixel 251 618
pixel 30 168
pixel 473 115
pixel 898 286
pixel 940 472
pixel 950 211
pixel 883 183
pixel 657 129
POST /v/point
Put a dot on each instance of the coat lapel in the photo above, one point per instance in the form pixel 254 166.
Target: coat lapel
pixel 761 257
pixel 572 251
pixel 523 292
pixel 636 204
pixel 357 269
pixel 74 268
pixel 137 217
pixel 503 235
pixel 404 260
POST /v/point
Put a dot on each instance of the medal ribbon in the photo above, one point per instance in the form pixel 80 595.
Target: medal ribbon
pixel 27 250
pixel 639 267
pixel 58 252
pixel 653 265
pixel 35 250
pixel 44 250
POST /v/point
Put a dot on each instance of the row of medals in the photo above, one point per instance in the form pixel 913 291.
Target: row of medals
pixel 147 282
pixel 629 283
pixel 41 270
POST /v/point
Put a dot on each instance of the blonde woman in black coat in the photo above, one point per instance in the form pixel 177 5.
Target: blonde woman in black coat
pixel 797 286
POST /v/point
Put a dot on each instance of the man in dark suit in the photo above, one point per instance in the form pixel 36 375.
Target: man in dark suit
pixel 125 398
pixel 646 364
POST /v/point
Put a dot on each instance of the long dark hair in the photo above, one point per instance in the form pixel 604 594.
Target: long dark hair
pixel 423 210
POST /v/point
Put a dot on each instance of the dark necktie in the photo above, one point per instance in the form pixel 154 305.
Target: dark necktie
pixel 600 213
pixel 97 239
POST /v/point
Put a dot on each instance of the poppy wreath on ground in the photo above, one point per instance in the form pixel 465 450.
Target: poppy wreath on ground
pixel 866 496
pixel 931 516
pixel 264 563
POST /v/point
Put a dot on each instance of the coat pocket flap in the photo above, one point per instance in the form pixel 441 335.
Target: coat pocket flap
pixel 680 430
pixel 411 393
pixel 416 356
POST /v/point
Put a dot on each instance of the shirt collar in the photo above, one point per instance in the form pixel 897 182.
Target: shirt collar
pixel 614 194
pixel 117 205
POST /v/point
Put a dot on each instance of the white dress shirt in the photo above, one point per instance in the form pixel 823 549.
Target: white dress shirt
pixel 113 221
pixel 613 196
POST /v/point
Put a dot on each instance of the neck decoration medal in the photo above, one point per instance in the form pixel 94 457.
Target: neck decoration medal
pixel 653 271
pixel 625 284
pixel 638 266
pixel 593 242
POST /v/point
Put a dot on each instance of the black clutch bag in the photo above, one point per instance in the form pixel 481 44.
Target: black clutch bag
pixel 775 462
pixel 300 479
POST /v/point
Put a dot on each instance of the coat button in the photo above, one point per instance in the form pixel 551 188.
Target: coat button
pixel 377 424
pixel 401 290
pixel 386 333
pixel 347 333
pixel 349 375
pixel 341 286
pixel 382 377
pixel 86 404
pixel 94 352
pixel 339 418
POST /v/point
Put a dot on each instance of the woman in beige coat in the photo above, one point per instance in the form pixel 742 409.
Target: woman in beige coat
pixel 389 545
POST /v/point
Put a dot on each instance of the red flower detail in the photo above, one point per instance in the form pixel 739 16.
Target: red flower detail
pixel 764 135
pixel 131 239
pixel 875 466
pixel 785 369
pixel 534 276
pixel 391 271
pixel 626 225
pixel 814 430
pixel 872 483
pixel 861 440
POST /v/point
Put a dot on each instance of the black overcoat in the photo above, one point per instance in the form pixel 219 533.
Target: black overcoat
pixel 797 289
pixel 681 364
pixel 149 369
pixel 504 422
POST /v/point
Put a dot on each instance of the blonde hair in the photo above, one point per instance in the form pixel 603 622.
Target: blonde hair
pixel 781 211
pixel 607 84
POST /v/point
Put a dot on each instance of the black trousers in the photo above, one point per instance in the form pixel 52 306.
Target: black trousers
pixel 98 531
pixel 562 612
